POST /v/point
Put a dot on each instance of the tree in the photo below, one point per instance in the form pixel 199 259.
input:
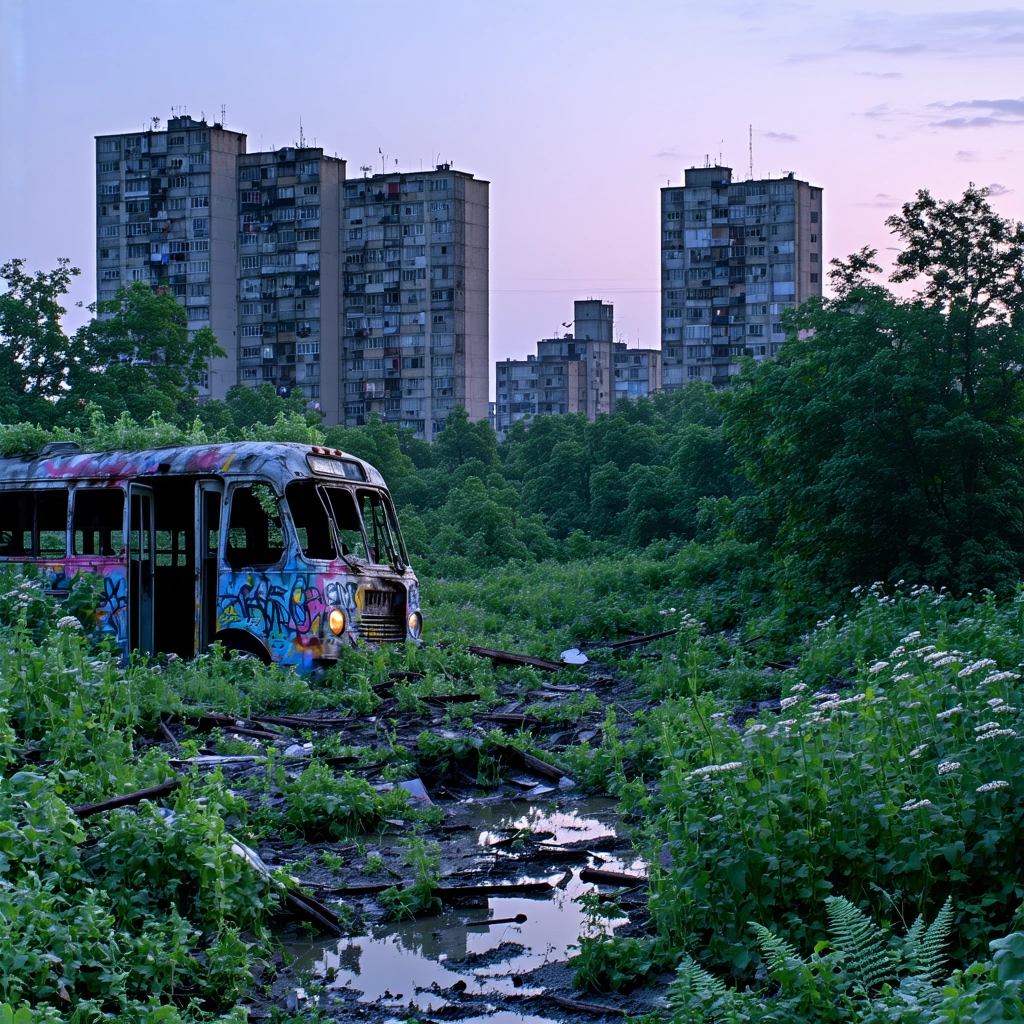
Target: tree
pixel 33 345
pixel 886 440
pixel 461 441
pixel 140 357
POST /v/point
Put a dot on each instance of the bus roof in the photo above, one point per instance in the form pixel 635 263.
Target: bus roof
pixel 281 461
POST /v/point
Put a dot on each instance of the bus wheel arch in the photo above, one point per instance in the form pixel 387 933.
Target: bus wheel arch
pixel 239 641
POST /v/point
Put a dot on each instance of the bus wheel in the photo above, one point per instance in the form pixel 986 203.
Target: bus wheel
pixel 238 645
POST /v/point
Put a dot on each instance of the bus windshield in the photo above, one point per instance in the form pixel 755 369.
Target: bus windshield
pixel 331 521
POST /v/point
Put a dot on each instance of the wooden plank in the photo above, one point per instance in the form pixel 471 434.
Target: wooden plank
pixel 510 658
pixel 603 877
pixel 126 799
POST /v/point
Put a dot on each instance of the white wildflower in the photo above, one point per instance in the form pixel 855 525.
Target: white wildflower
pixel 716 817
pixel 878 666
pixel 900 664
pixel 902 676
pixel 854 699
pixel 719 715
pixel 798 688
pixel 988 787
pixel 996 732
pixel 788 702
pixel 994 702
pixel 924 650
pixel 951 660
pixel 999 677
pixel 985 726
pixel 757 727
pixel 916 635
pixel 716 769
pixel 68 622
pixel 914 805
pixel 948 766
pixel 899 650
pixel 974 666
pixel 918 751
pixel 911 704
pixel 825 696
pixel 950 712
pixel 789 721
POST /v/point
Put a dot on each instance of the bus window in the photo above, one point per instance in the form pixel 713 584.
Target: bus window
pixel 98 522
pixel 34 523
pixel 312 523
pixel 255 540
pixel 378 524
pixel 346 519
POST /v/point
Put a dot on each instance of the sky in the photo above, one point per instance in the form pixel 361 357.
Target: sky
pixel 577 113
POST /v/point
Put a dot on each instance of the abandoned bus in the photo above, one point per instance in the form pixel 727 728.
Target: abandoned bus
pixel 284 551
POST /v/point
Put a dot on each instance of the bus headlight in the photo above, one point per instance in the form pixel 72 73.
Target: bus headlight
pixel 415 621
pixel 336 622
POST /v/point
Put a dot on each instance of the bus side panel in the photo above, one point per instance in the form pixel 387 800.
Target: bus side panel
pixel 111 608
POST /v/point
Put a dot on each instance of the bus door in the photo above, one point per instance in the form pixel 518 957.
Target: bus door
pixel 209 498
pixel 141 568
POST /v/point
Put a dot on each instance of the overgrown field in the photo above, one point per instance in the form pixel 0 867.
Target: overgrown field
pixel 877 758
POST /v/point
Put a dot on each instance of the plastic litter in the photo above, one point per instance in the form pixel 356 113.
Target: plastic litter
pixel 414 787
pixel 574 656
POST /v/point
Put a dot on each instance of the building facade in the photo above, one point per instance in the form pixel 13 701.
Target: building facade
pixel 734 257
pixel 414 319
pixel 581 372
pixel 166 209
pixel 289 273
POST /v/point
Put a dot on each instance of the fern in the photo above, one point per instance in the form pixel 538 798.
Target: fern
pixel 861 943
pixel 924 948
pixel 776 952
pixel 695 996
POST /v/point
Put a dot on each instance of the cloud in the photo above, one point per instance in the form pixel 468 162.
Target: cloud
pixel 967 156
pixel 672 153
pixel 779 136
pixel 883 200
pixel 995 189
pixel 991 113
pixel 881 74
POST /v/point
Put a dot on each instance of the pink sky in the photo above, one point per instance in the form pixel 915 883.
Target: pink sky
pixel 577 113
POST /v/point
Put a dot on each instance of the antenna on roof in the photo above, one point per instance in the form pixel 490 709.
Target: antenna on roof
pixel 223 115
pixel 750 143
pixel 302 138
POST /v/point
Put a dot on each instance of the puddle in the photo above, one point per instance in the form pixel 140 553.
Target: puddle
pixel 413 963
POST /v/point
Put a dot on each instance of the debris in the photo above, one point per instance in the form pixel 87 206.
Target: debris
pixel 581 1007
pixel 505 719
pixel 296 1000
pixel 643 639
pixel 449 892
pixel 302 721
pixel 125 799
pixel 518 919
pixel 298 750
pixel 403 676
pixel 603 877
pixel 521 760
pixel 166 733
pixel 213 721
pixel 451 698
pixel 539 790
pixel 574 656
pixel 414 787
pixel 510 658
pixel 210 760
pixel 550 687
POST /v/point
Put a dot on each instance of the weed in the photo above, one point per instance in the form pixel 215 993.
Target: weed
pixel 334 862
pixel 418 898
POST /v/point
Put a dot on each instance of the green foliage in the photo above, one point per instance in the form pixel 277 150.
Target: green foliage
pixel 418 898
pixel 863 976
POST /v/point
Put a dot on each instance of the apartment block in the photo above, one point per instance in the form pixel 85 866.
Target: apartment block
pixel 734 257
pixel 166 209
pixel 414 299
pixel 289 273
pixel 581 372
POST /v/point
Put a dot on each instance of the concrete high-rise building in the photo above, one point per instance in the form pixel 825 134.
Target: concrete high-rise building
pixel 415 299
pixel 581 372
pixel 166 210
pixel 289 273
pixel 734 257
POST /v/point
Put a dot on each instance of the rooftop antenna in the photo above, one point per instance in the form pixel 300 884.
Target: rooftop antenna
pixel 223 115
pixel 750 144
pixel 366 168
pixel 302 138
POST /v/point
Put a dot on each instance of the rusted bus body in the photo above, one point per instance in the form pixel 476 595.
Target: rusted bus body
pixel 285 551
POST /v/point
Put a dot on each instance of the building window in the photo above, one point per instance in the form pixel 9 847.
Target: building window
pixel 177 182
pixel 249 372
pixel 253 331
pixel 755 330
pixel 814 278
pixel 111 275
pixel 309 212
pixel 198 312
pixel 110 146
pixel 200 202
pixel 200 224
pixel 199 267
pixel 814 217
